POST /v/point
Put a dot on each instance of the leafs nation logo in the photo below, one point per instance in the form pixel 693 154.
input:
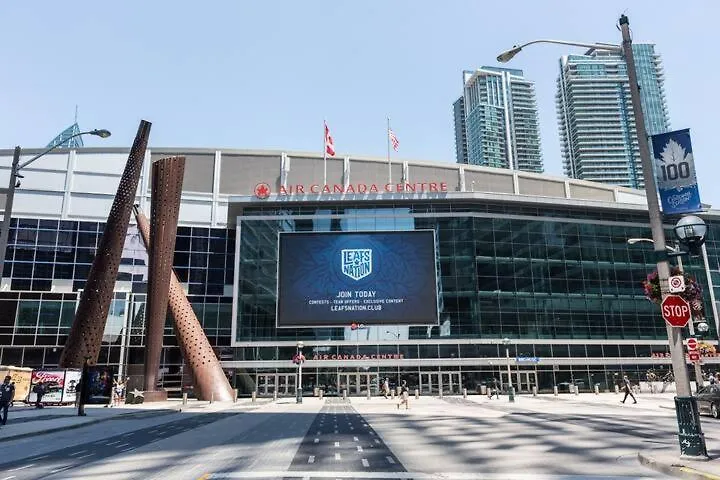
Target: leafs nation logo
pixel 356 263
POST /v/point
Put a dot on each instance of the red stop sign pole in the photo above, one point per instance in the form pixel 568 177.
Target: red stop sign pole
pixel 675 310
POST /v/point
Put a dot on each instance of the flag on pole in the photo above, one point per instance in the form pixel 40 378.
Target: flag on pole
pixel 393 140
pixel 329 143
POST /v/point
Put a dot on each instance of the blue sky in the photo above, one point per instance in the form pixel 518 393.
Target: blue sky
pixel 244 74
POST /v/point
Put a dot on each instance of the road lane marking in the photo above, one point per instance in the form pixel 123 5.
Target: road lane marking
pixel 317 440
pixel 337 444
pixel 21 468
pixel 122 445
pixel 355 439
pixel 311 459
pixel 365 463
pixel 390 459
pixel 85 456
pixel 127 449
pixel 8 478
pixel 77 453
pixel 38 458
pixel 60 469
pixel 359 448
pixel 337 456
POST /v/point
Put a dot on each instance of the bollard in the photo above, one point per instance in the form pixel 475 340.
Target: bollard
pixel 597 389
pixel 254 397
pixel 617 389
pixel 235 395
pixel 212 397
pixel 577 390
pixel 368 395
pixel 511 395
pixel 392 394
pixel 344 394
pixel 441 393
pixel 274 395
pixel 534 390
pixel 322 392
pixel 417 394
pixel 464 392
pixel 555 390
pixel 185 398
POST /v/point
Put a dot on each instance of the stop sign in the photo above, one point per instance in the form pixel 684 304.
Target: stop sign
pixel 675 310
pixel 692 344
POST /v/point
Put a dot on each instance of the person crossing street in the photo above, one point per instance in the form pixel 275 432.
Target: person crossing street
pixel 628 390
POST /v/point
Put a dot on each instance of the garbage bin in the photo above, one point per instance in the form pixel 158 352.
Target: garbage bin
pixel 483 390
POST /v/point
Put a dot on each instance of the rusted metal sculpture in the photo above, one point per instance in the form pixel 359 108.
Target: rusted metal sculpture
pixel 209 379
pixel 87 330
pixel 167 179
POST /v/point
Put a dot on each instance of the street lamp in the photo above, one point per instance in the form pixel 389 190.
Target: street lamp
pixel 14 183
pixel 511 389
pixel 299 359
pixel 692 441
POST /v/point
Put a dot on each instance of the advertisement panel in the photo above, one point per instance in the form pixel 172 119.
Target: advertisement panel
pixel 72 380
pixel 54 381
pixel 339 278
pixel 675 172
pixel 21 377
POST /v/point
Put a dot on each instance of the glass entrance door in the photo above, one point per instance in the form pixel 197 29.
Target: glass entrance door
pixel 357 383
pixel 523 380
pixel 269 383
pixel 433 383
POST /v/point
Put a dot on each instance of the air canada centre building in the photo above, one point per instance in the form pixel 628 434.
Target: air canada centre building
pixel 411 271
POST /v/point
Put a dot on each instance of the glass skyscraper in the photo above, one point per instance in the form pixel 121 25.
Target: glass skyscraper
pixel 496 122
pixel 595 115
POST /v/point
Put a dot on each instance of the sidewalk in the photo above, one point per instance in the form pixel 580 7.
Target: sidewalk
pixel 668 461
pixel 25 421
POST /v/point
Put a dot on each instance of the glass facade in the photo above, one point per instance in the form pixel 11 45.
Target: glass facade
pixel 496 122
pixel 561 282
pixel 595 115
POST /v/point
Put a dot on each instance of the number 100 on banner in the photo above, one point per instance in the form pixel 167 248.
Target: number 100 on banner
pixel 675 172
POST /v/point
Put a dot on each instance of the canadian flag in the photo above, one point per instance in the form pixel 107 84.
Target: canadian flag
pixel 329 144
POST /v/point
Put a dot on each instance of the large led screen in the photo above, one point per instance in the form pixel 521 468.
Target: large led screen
pixel 369 278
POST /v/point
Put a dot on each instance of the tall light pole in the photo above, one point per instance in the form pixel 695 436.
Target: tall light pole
pixel 692 442
pixel 511 389
pixel 14 183
pixel 300 360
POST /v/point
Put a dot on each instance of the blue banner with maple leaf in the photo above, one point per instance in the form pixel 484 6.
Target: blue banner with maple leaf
pixel 675 172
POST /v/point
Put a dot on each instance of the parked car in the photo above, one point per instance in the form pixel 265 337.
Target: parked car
pixel 708 399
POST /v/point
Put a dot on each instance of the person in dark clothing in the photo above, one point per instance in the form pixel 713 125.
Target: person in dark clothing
pixel 39 391
pixel 7 393
pixel 628 390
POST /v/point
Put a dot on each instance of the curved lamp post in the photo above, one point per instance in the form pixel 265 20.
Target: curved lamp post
pixel 692 441
pixel 14 183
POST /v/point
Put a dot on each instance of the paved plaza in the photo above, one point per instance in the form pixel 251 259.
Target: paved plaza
pixel 544 437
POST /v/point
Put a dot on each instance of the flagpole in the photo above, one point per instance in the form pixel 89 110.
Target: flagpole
pixel 387 134
pixel 324 149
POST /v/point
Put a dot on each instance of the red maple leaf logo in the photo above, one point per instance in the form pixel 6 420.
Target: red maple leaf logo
pixel 262 190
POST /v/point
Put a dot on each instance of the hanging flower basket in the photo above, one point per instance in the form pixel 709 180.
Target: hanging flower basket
pixel 692 293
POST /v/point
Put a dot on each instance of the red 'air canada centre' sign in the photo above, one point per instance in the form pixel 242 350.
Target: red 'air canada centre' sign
pixel 263 190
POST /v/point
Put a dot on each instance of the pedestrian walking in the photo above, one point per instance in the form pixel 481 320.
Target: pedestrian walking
pixel 119 391
pixel 39 391
pixel 404 396
pixel 386 387
pixel 7 394
pixel 628 390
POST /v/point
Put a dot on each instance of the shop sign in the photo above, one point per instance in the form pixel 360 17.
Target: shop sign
pixel 263 190
pixel 389 356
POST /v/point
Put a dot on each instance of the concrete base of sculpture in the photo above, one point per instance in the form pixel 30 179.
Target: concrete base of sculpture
pixel 155 396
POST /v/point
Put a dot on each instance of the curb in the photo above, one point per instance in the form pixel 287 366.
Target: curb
pixel 677 471
pixel 84 424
